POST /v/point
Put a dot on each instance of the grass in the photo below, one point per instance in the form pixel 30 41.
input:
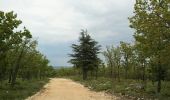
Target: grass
pixel 21 90
pixel 131 89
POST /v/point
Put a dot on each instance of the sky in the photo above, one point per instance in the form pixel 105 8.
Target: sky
pixel 57 24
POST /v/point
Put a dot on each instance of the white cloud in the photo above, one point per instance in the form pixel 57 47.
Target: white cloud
pixel 60 21
pixel 62 18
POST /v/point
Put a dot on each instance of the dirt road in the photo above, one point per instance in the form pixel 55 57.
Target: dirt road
pixel 65 89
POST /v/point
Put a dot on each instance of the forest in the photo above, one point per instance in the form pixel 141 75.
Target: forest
pixel 138 70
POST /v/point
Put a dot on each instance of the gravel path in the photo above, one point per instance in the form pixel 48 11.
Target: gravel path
pixel 66 89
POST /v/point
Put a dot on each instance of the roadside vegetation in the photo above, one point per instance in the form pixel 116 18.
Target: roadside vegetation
pixel 136 70
pixel 23 69
pixel 22 89
pixel 125 88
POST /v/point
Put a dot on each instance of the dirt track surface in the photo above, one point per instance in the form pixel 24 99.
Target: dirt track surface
pixel 65 89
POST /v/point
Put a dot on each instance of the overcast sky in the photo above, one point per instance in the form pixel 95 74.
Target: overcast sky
pixel 56 24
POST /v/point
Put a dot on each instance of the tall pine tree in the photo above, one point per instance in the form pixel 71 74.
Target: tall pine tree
pixel 85 54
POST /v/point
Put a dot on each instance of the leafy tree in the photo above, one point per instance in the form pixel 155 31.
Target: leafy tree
pixel 10 37
pixel 126 51
pixel 109 56
pixel 113 57
pixel 117 60
pixel 85 54
pixel 18 54
pixel 152 24
pixel 141 58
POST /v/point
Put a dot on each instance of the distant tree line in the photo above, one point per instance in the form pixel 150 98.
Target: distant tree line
pixel 19 57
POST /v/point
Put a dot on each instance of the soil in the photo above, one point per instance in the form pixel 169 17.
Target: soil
pixel 66 89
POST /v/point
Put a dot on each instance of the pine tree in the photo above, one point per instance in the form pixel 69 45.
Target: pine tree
pixel 85 54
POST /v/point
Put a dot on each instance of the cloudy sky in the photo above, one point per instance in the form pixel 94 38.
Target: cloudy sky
pixel 56 24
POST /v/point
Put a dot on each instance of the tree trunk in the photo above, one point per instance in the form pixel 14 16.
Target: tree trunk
pixel 159 86
pixel 143 76
pixel 84 74
pixel 91 73
pixel 15 72
pixel 96 74
pixel 118 73
pixel 104 70
pixel 126 67
pixel 126 72
pixel 111 69
pixel 159 77
pixel 10 76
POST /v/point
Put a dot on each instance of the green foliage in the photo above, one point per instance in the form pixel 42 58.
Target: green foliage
pixel 18 54
pixel 85 54
pixel 109 56
pixel 113 58
pixel 128 88
pixel 151 22
pixel 23 69
pixel 21 90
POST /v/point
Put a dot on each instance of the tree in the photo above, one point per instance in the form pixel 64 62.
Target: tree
pixel 18 54
pixel 109 56
pixel 141 58
pixel 126 51
pixel 117 60
pixel 113 57
pixel 10 37
pixel 152 24
pixel 85 54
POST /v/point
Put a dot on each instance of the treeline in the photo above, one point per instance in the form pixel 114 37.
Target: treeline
pixel 19 57
pixel 127 61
